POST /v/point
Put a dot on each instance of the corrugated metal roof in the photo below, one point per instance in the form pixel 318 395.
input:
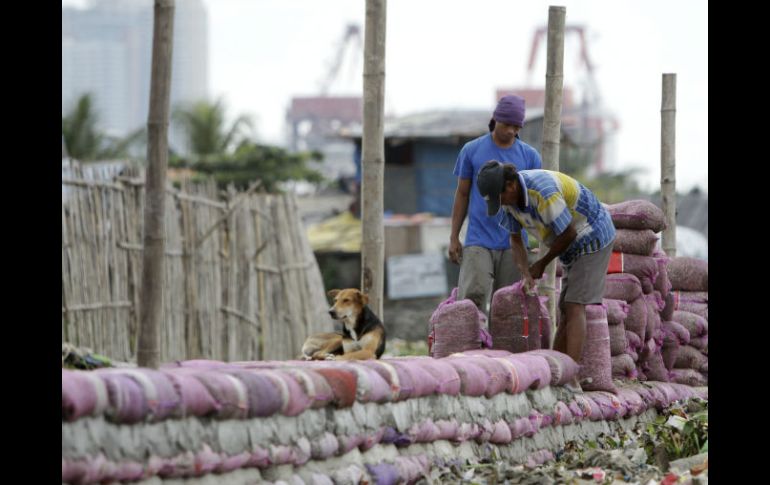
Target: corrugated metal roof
pixel 439 124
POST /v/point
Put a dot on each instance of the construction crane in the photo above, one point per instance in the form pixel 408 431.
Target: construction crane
pixel 351 37
pixel 594 123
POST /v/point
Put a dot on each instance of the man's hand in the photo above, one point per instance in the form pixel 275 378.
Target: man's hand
pixel 537 269
pixel 455 251
pixel 530 286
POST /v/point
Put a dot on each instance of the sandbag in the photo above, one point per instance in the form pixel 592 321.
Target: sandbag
pixel 518 322
pixel 637 214
pixel 688 274
pixel 641 242
pixel 595 364
pixel 622 286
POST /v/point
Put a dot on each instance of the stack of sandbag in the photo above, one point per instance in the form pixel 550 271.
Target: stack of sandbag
pixel 456 326
pixel 689 304
pixel 633 260
pixel 373 421
pixel 519 322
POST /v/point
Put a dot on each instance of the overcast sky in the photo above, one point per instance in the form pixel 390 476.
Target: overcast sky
pixel 444 54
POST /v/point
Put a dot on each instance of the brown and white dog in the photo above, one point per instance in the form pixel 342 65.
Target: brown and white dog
pixel 362 336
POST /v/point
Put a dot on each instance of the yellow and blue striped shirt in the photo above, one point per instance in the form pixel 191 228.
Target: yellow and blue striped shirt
pixel 552 201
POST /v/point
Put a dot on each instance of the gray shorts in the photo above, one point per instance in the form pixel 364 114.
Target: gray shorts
pixel 583 281
pixel 484 271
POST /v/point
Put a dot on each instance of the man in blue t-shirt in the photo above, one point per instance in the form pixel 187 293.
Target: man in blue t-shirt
pixel 486 261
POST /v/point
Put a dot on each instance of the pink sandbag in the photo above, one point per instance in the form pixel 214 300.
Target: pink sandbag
pixel 424 432
pixel 445 375
pixel 389 374
pixel 670 394
pixel 521 427
pixel 563 368
pixel 82 394
pixel 196 399
pixel 473 378
pixel 424 384
pixel 701 343
pixel 662 282
pixel 127 402
pixel 670 348
pixel 637 317
pixel 163 400
pixel 654 368
pixel 623 367
pixel 690 358
pixel 317 388
pixel 578 413
pixel 634 342
pixel 618 340
pixel 591 409
pixel 371 386
pixel 688 274
pixel 595 364
pixel 455 328
pixel 693 302
pixel 609 405
pixel 667 313
pixel 562 415
pixel 501 434
pixel 689 377
pixel 635 357
pixel 227 391
pixel 679 330
pixel 645 268
pixel 633 401
pixel 637 214
pixel 653 315
pixel 696 325
pixel 617 311
pixel 267 395
pixel 500 377
pixel 343 383
pixel 200 364
pixel 324 447
pixel 635 242
pixel 447 429
pixel 622 286
pixel 533 371
pixel 518 322
pixel 440 314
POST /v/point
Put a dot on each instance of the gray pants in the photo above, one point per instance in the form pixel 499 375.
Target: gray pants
pixel 484 271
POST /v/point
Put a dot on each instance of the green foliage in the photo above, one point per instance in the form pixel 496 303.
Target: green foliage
pixel 85 142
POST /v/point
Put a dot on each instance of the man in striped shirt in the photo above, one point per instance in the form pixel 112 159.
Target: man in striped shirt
pixel 561 212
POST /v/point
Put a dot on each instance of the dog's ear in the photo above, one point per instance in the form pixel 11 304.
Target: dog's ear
pixel 364 298
pixel 333 293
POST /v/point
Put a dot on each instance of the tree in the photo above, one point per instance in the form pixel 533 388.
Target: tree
pixel 253 161
pixel 206 131
pixel 85 142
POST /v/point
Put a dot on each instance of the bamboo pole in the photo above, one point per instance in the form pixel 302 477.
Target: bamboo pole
pixel 668 162
pixel 373 155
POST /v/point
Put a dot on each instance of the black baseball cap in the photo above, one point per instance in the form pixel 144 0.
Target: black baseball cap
pixel 490 182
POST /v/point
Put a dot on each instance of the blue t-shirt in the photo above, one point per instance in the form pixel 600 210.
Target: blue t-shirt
pixel 483 230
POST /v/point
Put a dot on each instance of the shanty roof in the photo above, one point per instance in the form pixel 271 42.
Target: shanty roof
pixel 439 124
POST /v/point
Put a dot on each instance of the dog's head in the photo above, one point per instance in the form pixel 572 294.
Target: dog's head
pixel 348 303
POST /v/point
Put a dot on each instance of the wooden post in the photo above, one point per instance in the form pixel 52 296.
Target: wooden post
pixel 373 155
pixel 554 82
pixel 151 313
pixel 668 162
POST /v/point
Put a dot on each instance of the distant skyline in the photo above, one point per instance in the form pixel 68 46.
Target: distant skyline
pixel 445 54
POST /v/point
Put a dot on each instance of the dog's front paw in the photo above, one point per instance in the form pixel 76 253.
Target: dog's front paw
pixel 306 357
pixel 330 357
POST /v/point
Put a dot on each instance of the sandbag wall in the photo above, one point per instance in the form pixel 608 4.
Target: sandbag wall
pixel 655 302
pixel 331 422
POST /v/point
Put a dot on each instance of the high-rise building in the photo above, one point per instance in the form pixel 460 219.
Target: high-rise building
pixel 107 51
